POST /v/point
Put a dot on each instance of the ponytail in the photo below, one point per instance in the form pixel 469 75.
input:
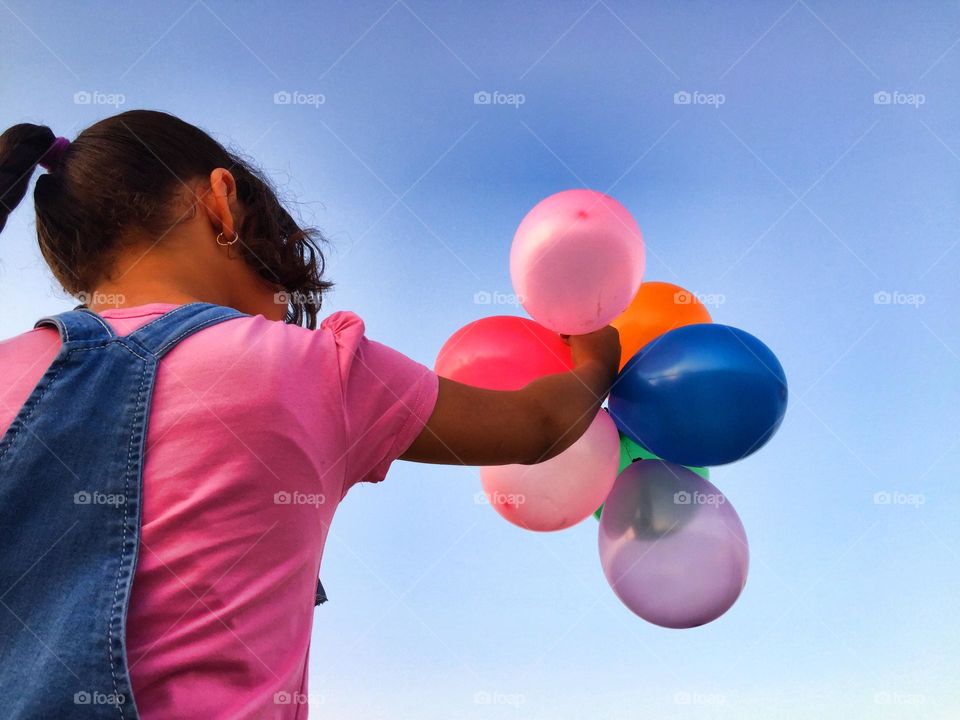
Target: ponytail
pixel 22 147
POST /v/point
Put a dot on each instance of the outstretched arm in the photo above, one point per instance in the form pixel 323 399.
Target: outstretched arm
pixel 474 426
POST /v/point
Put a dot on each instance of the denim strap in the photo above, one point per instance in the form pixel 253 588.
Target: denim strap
pixel 159 336
pixel 71 477
pixel 79 325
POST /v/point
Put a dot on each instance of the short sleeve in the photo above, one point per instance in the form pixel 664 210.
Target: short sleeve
pixel 387 399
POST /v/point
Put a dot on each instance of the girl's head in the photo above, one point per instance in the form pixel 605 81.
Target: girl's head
pixel 128 187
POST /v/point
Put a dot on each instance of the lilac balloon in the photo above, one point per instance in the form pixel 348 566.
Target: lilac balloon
pixel 672 546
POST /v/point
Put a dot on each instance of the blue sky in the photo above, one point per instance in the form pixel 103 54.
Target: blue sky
pixel 814 213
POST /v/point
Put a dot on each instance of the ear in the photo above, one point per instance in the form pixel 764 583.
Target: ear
pixel 223 189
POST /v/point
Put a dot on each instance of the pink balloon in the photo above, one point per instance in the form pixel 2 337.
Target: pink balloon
pixel 563 490
pixel 577 261
pixel 502 353
pixel 672 546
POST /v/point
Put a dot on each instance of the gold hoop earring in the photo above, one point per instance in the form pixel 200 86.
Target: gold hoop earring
pixel 220 242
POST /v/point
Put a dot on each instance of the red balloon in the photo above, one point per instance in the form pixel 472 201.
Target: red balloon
pixel 502 353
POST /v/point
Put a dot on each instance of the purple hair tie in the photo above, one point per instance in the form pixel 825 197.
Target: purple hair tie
pixel 51 158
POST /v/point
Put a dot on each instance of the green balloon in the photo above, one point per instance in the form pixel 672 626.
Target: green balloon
pixel 631 452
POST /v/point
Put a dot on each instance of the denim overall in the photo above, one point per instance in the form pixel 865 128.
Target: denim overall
pixel 71 483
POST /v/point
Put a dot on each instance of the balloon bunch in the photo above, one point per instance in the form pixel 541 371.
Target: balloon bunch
pixel 690 394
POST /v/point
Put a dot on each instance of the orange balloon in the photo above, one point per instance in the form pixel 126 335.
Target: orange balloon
pixel 657 308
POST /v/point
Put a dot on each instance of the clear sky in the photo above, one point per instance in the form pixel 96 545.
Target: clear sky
pixel 810 211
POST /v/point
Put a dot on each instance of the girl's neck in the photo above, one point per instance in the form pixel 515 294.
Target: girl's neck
pixel 178 273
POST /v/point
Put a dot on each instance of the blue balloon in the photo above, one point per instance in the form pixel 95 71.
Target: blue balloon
pixel 701 395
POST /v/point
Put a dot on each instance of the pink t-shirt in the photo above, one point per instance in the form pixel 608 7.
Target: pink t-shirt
pixel 257 430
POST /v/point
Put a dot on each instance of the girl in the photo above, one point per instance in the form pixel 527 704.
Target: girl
pixel 174 449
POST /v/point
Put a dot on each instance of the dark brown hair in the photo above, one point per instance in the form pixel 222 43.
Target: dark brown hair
pixel 123 173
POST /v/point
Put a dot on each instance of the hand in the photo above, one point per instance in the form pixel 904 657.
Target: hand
pixel 601 347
